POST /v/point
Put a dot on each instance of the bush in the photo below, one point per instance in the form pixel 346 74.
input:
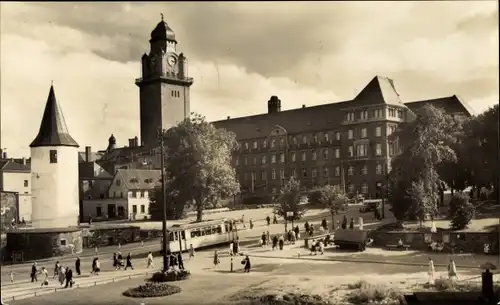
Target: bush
pixel 368 293
pixel 286 299
pixel 444 284
pixel 170 276
pixel 461 211
pixel 152 290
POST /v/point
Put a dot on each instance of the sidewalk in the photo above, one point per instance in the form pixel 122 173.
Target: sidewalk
pixel 247 236
pixel 379 256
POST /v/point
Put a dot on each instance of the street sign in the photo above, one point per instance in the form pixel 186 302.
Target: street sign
pixel 289 214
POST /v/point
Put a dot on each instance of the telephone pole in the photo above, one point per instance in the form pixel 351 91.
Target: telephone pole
pixel 161 134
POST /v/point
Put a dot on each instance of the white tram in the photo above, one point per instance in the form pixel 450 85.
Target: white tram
pixel 201 234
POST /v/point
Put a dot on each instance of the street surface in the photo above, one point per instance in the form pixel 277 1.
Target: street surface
pixel 23 287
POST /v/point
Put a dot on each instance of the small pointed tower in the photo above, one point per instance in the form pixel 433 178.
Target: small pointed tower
pixel 54 171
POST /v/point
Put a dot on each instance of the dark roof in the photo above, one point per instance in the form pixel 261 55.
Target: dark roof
pixel 94 156
pixel 450 103
pixel 53 129
pixel 88 170
pixel 139 179
pixel 12 166
pixel 162 32
pixel 380 90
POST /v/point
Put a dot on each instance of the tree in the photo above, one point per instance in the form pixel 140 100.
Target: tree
pixel 314 197
pixel 198 163
pixel 175 209
pixel 332 197
pixel 480 149
pixel 290 201
pixel 461 211
pixel 427 143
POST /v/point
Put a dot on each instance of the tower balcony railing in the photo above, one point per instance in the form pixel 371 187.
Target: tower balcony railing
pixel 166 75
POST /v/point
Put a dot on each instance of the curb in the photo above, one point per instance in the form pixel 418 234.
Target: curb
pixel 361 261
pixel 86 285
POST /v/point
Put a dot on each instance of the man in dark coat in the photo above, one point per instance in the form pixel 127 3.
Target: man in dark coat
pixel 69 278
pixel 129 262
pixel 77 266
pixel 34 273
pixel 247 264
pixel 344 222
pixel 268 219
pixel 179 260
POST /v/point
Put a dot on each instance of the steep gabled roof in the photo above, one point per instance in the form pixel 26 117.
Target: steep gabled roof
pixel 14 167
pixel 380 90
pixel 53 130
pixel 139 179
pixel 449 103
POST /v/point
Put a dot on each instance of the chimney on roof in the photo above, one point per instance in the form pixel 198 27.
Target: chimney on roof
pixel 303 106
pixel 4 155
pixel 24 161
pixel 274 104
pixel 228 117
pixel 136 141
pixel 130 142
pixel 88 151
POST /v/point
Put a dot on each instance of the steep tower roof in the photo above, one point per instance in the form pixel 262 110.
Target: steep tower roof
pixel 162 32
pixel 53 130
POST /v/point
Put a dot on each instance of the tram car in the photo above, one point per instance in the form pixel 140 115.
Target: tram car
pixel 201 234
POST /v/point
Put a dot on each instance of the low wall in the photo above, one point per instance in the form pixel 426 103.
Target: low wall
pixel 454 242
pixel 110 236
pixel 33 244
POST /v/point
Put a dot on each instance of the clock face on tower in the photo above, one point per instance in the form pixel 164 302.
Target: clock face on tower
pixel 171 60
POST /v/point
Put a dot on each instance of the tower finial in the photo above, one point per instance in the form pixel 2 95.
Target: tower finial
pixel 51 82
pixel 161 16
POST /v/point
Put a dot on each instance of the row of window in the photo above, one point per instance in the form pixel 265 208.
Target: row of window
pixel 175 93
pixel 374 113
pixel 350 188
pixel 351 171
pixel 360 150
pixel 321 137
pixel 133 194
pixel 134 209
pixel 206 231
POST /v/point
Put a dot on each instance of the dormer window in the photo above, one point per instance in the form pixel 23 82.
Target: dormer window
pixel 134 180
pixel 53 156
pixel 118 182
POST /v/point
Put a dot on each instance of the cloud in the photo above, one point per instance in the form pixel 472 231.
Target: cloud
pixel 239 55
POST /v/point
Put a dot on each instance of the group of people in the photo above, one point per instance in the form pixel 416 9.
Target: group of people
pixel 245 262
pixel 63 274
pixel 452 271
pixel 118 261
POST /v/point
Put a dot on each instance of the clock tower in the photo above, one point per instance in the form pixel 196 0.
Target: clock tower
pixel 164 85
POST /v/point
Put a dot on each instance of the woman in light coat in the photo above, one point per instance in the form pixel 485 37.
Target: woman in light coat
pixel 431 272
pixel 452 270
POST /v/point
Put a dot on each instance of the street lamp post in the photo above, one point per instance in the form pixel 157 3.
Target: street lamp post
pixel 161 134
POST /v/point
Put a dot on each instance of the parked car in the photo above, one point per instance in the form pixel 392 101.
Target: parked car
pixel 370 205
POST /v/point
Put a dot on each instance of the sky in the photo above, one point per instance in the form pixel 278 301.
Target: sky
pixel 239 55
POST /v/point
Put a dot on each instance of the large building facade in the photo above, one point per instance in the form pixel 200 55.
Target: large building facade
pixel 344 143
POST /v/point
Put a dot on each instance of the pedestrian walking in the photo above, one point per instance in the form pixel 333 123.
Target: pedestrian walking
pixel 246 263
pixel 11 275
pixel 216 259
pixel 191 251
pixel 180 261
pixel 69 278
pixel 45 277
pixel 129 262
pixel 452 270
pixel 62 275
pixel 268 219
pixel 57 266
pixel 77 266
pixel 150 260
pixel 431 272
pixel 34 273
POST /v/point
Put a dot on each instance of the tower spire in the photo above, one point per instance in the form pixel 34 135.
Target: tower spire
pixel 161 16
pixel 53 130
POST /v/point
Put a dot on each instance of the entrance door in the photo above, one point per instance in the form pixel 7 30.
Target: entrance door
pixel 111 210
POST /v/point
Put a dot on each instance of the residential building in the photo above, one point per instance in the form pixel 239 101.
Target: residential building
pixel 15 177
pixel 128 196
pixel 344 143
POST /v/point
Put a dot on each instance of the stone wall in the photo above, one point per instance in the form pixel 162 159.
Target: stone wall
pixel 454 242
pixel 38 244
pixel 110 236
